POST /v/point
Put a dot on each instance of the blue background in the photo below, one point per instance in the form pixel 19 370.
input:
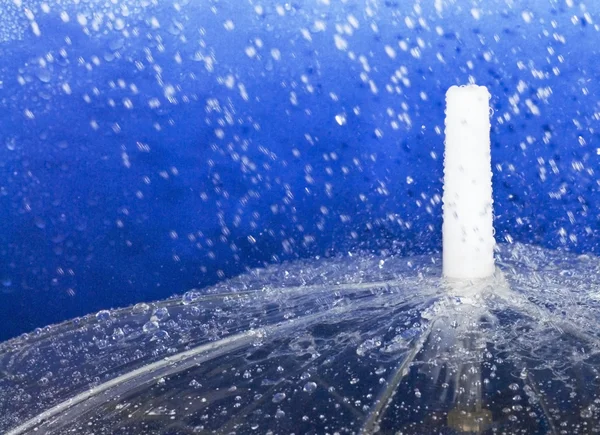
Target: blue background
pixel 102 205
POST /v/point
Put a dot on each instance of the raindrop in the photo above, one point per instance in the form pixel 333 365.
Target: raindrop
pixel 150 327
pixel 190 297
pixel 43 75
pixel 161 335
pixel 586 413
pixel 102 344
pixel 39 222
pixel 161 313
pixel 341 118
pixel 367 345
pixel 116 44
pixel 103 315
pixel 119 24
pixel 140 308
pixel 11 144
pixel 278 397
pixel 309 387
pixel 118 334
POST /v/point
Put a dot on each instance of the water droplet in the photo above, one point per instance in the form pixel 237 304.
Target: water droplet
pixel 380 371
pixel 309 387
pixel 119 24
pixel 43 75
pixel 190 297
pixel 161 335
pixel 586 413
pixel 39 222
pixel 103 315
pixel 140 308
pixel 161 313
pixel 102 344
pixel 417 393
pixel 367 345
pixel 340 118
pixel 278 397
pixel 116 44
pixel 11 143
pixel 118 334
pixel 150 327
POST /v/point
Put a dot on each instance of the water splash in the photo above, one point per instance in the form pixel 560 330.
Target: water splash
pixel 518 353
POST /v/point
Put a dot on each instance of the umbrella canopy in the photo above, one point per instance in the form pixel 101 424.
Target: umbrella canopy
pixel 346 345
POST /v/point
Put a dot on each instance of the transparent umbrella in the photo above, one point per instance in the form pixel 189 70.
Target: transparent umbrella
pixel 346 345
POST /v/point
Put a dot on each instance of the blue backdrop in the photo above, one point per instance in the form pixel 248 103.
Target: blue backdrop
pixel 149 147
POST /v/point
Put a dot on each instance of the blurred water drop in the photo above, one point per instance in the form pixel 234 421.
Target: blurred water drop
pixel 39 222
pixel 11 143
pixel 116 44
pixel 141 308
pixel 161 335
pixel 150 327
pixel 278 397
pixel 368 345
pixel 43 75
pixel 190 297
pixel 118 334
pixel 119 24
pixel 103 315
pixel 309 387
pixel 341 118
pixel 161 313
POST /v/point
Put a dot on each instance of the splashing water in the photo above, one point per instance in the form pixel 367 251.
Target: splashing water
pixel 340 344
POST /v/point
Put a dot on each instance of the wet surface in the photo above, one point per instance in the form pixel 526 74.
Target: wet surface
pixel 345 352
